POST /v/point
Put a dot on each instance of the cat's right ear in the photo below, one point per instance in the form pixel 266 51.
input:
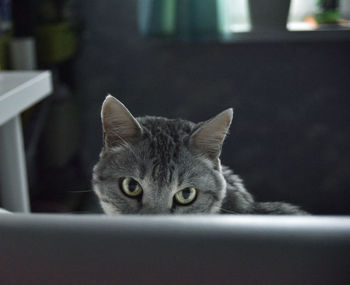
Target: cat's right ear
pixel 119 126
pixel 208 138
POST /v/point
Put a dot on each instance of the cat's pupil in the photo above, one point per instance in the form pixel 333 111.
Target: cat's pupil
pixel 186 193
pixel 132 185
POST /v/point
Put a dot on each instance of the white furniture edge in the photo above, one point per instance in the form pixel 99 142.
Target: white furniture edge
pixel 13 174
pixel 24 95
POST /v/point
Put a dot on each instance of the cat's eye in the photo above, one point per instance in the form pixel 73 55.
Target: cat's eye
pixel 131 187
pixel 186 196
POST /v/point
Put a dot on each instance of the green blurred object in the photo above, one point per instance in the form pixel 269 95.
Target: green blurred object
pixel 156 18
pixel 55 42
pixel 329 12
pixel 4 51
pixel 179 19
pixel 197 19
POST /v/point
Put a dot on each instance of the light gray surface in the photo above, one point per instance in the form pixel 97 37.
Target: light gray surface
pixel 21 90
pixel 42 249
pixel 18 92
pixel 13 173
pixel 3 211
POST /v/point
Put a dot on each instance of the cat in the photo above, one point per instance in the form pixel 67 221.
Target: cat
pixel 155 165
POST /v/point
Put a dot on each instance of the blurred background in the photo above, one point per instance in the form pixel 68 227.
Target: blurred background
pixel 283 65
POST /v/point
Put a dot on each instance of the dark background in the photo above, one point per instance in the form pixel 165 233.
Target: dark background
pixel 290 135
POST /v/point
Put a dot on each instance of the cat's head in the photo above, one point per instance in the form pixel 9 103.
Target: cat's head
pixel 154 165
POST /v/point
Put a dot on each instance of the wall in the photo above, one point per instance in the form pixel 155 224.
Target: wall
pixel 290 135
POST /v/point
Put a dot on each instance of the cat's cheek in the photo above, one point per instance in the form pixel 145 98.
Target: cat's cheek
pixel 216 207
pixel 110 209
pixel 97 190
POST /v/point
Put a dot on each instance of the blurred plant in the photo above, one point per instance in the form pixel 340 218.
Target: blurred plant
pixel 55 31
pixel 5 32
pixel 328 12
pixel 5 16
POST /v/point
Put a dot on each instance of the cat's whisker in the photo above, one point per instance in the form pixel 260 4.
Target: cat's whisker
pixel 228 211
pixel 79 191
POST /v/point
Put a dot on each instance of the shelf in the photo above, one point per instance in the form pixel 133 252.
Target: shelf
pixel 295 31
pixel 285 35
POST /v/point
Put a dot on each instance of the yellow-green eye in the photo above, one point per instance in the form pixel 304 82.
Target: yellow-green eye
pixel 186 196
pixel 131 187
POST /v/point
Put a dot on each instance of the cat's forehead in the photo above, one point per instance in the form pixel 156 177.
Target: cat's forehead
pixel 164 138
pixel 171 127
pixel 164 143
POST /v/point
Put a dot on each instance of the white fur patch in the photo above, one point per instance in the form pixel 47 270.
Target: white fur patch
pixel 109 209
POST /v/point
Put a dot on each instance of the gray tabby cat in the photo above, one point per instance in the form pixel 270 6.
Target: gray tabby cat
pixel 154 165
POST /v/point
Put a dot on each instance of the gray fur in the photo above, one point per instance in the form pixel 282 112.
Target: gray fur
pixel 164 159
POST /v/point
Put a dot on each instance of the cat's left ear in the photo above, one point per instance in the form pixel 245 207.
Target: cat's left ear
pixel 209 136
pixel 119 126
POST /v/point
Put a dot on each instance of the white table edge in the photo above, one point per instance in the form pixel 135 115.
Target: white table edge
pixel 13 102
pixel 13 182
